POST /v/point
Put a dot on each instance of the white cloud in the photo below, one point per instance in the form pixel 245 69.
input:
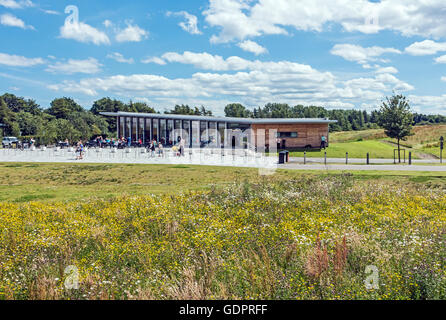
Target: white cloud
pixel 241 19
pixel 443 79
pixel 425 48
pixel 431 104
pixel 361 55
pixel 253 83
pixel 387 70
pixel 155 60
pixel 12 4
pixel 132 33
pixel 19 61
pixel 107 23
pixel 52 12
pixel 120 58
pixel 190 24
pixel 82 32
pixel 253 47
pixel 441 59
pixel 12 21
pixel 87 66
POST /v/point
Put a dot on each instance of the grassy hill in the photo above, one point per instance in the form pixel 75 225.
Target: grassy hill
pixel 425 143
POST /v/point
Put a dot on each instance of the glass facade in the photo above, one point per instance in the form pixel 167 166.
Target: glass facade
pixel 141 130
pixel 162 131
pixel 121 127
pixel 204 136
pixel 155 126
pixel 170 139
pixel 128 126
pixel 221 131
pixel 134 129
pixel 186 132
pixel 213 134
pixel 147 131
pixel 195 134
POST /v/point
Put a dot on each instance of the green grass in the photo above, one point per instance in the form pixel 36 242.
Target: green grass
pixel 425 139
pixel 359 149
pixel 76 182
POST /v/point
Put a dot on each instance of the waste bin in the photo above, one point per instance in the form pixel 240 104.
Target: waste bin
pixel 287 156
pixel 282 157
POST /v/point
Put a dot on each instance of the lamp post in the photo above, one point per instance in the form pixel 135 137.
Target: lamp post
pixel 441 149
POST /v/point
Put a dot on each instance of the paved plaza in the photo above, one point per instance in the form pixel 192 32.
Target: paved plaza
pixel 209 157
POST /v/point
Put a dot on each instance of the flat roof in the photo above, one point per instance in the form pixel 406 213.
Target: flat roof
pixel 220 119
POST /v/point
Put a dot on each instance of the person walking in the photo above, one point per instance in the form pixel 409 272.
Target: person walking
pixel 323 142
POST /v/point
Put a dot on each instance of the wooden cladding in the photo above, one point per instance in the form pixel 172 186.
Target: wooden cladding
pixel 308 134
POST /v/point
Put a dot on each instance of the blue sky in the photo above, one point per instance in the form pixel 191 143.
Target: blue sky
pixel 333 53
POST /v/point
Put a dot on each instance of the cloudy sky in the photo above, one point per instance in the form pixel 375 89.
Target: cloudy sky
pixel 333 53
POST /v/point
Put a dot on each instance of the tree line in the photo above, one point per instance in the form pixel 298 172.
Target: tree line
pixel 348 120
pixel 66 119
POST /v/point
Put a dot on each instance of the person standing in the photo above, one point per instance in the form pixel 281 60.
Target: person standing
pixel 182 144
pixel 80 149
pixel 153 147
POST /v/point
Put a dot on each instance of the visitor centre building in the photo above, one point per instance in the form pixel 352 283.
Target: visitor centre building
pixel 201 131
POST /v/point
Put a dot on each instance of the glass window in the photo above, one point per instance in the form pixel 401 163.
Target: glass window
pixel 155 130
pixel 204 131
pixel 221 131
pixel 177 124
pixel 195 134
pixel 213 134
pixel 170 139
pixel 141 129
pixel 147 135
pixel 121 127
pixel 134 128
pixel 162 133
pixel 287 135
pixel 186 132
pixel 128 127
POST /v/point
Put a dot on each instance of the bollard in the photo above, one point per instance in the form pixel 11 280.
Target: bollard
pixel 346 158
pixel 325 160
pixel 368 158
pixel 305 157
pixel 410 158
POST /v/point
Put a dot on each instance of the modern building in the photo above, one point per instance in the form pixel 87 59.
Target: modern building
pixel 199 131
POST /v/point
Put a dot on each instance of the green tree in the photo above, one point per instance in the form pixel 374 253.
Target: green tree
pixel 186 110
pixel 140 107
pixel 108 105
pixel 61 108
pixel 237 110
pixel 396 119
pixel 29 124
pixel 7 118
pixel 18 104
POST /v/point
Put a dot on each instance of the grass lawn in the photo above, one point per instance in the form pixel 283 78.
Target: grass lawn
pixel 24 182
pixel 357 149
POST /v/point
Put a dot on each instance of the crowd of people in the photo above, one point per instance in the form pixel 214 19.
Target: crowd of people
pixel 154 148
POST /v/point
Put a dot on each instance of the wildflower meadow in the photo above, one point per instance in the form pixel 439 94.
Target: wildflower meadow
pixel 310 238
